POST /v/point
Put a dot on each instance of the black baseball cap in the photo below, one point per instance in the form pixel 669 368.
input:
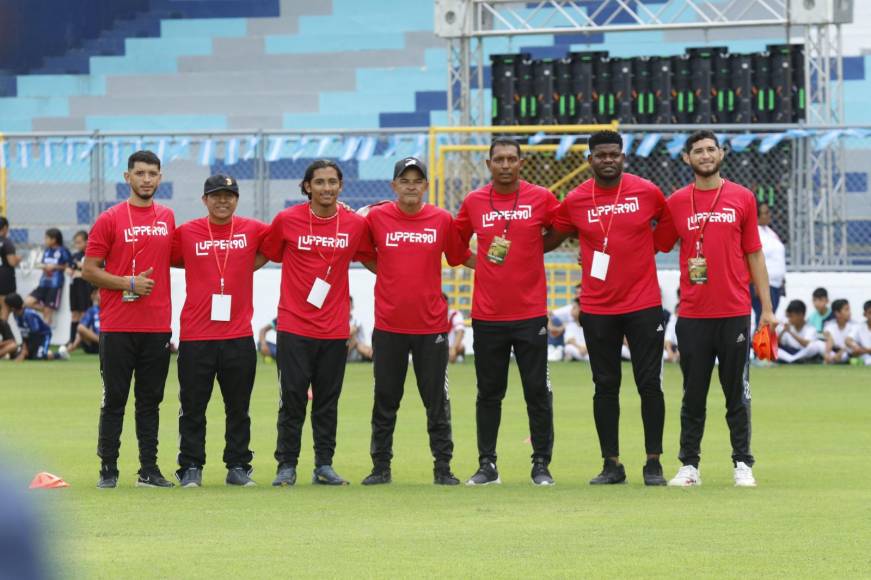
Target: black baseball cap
pixel 220 182
pixel 404 164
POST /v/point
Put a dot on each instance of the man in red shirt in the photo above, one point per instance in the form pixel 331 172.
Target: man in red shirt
pixel 410 237
pixel 613 215
pixel 219 254
pixel 720 253
pixel 509 304
pixel 128 258
pixel 314 242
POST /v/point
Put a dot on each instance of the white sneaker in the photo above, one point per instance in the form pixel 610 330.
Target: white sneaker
pixel 687 476
pixel 63 353
pixel 744 475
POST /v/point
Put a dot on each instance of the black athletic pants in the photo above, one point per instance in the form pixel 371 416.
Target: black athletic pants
pixel 493 342
pixel 702 340
pixel 429 355
pixel 123 356
pixel 304 361
pixel 645 332
pixel 234 363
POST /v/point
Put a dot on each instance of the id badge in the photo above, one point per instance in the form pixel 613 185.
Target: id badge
pixel 318 293
pixel 600 265
pixel 221 307
pixel 498 250
pixel 128 296
pixel 698 270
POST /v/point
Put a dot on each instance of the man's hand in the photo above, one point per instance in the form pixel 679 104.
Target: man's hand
pixel 143 285
pixel 767 318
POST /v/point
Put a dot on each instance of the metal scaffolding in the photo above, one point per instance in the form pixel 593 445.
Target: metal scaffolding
pixel 817 199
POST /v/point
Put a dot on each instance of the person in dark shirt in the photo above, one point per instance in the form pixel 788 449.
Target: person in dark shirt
pixel 80 289
pixel 35 333
pixel 8 261
pixel 88 331
pixel 47 295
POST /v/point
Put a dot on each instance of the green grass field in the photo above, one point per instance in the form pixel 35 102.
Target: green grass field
pixel 810 516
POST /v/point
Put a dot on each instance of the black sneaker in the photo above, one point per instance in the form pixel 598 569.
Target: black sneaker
pixel 108 478
pixel 379 475
pixel 326 475
pixel 611 474
pixel 487 474
pixel 190 476
pixel 286 476
pixel 652 473
pixel 240 477
pixel 541 474
pixel 442 476
pixel 152 477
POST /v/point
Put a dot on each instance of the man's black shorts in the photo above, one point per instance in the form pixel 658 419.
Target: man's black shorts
pixel 48 296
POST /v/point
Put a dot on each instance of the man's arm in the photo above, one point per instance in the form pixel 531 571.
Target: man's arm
pixel 93 272
pixel 471 262
pixel 259 261
pixel 371 265
pixel 554 238
pixel 88 334
pixel 759 275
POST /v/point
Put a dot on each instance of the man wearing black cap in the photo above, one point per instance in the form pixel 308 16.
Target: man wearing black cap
pixel 409 237
pixel 219 254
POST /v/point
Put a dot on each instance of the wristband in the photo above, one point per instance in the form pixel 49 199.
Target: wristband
pixel 132 283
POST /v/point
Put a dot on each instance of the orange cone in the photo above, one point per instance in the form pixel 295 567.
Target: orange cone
pixel 46 480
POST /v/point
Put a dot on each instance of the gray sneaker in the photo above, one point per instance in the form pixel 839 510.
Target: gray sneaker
pixel 286 476
pixel 487 474
pixel 326 475
pixel 239 476
pixel 190 476
pixel 541 474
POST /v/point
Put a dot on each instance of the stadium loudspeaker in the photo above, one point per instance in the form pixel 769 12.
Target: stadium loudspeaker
pixel 524 98
pixel 781 82
pixel 660 74
pixel 683 99
pixel 450 18
pixel 722 92
pixel 564 97
pixel 821 11
pixel 798 78
pixel 585 66
pixel 504 88
pixel 544 99
pixel 643 99
pixel 621 89
pixel 605 109
pixel 741 66
pixel 701 82
pixel 763 94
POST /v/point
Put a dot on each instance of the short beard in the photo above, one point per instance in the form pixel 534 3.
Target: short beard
pixel 143 197
pixel 709 173
pixel 603 178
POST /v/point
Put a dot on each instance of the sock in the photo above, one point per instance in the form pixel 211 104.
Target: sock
pixel 73 328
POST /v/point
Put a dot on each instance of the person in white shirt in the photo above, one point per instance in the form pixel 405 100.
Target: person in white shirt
pixel 359 349
pixel 575 343
pixel 860 342
pixel 775 260
pixel 798 339
pixel 670 352
pixel 837 332
pixel 557 325
pixel 456 347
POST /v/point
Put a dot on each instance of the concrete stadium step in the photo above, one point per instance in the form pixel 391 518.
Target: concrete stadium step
pixel 282 82
pixel 191 105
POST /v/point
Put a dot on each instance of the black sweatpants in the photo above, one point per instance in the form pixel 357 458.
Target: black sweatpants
pixel 429 355
pixel 645 332
pixel 234 363
pixel 702 340
pixel 493 342
pixel 123 356
pixel 304 361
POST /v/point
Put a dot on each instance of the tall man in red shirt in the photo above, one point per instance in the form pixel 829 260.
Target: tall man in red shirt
pixel 219 255
pixel 128 259
pixel 613 215
pixel 509 305
pixel 411 316
pixel 720 253
pixel 314 242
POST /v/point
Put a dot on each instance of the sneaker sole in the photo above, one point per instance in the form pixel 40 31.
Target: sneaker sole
pixel 746 484
pixel 249 484
pixel 316 481
pixel 144 484
pixel 283 484
pixel 189 485
pixel 496 481
pixel 544 483
pixel 690 484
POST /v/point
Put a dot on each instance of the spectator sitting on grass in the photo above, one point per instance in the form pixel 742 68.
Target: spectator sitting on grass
pixel 798 339
pixel 836 332
pixel 822 313
pixel 35 333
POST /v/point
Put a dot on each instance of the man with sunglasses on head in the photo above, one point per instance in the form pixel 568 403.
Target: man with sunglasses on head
pixel 509 305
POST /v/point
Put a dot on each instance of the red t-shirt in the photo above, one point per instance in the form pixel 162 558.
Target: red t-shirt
pixel 306 245
pixel 630 283
pixel 730 235
pixel 194 249
pixel 408 288
pixel 515 289
pixel 113 239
